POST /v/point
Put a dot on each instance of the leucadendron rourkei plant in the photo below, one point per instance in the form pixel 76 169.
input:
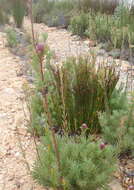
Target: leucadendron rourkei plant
pixel 18 10
pixel 4 11
pixel 74 160
pixel 118 127
pixel 76 90
pixel 36 104
pixel 11 37
pixel 84 164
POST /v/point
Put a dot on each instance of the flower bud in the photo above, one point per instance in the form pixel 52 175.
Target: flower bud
pixel 84 126
pixel 131 187
pixel 102 146
pixel 40 47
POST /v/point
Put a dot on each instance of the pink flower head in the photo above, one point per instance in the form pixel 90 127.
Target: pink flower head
pixel 40 48
pixel 84 126
pixel 102 146
pixel 131 187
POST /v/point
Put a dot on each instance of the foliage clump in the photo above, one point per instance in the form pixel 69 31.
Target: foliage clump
pixel 4 11
pixel 37 117
pixel 83 164
pixel 118 127
pixel 79 24
pixel 53 13
pixel 79 93
pixel 15 8
pixel 11 37
pixel 103 6
pixel 116 29
pixel 18 10
pixel 77 90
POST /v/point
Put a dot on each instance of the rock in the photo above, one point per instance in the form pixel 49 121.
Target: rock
pixel 75 38
pixel 115 53
pixel 125 54
pixel 86 42
pixel 91 43
pixel 17 154
pixel 9 91
pixel 101 52
pixel 115 185
pixel 3 115
pixel 103 46
pixel 19 73
pixel 30 79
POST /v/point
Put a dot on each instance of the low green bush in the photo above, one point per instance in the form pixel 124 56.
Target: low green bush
pixel 103 6
pixel 77 90
pixel 4 11
pixel 79 24
pixel 100 26
pixel 18 10
pixel 3 18
pixel 37 115
pixel 118 127
pixel 84 165
pixel 81 92
pixel 53 13
pixel 41 8
pixel 122 32
pixel 11 37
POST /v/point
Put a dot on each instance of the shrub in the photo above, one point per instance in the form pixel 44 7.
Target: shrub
pixel 57 18
pixel 41 8
pixel 84 165
pixel 53 13
pixel 4 8
pixel 100 26
pixel 11 38
pixel 123 27
pixel 3 18
pixel 77 91
pixel 118 100
pixel 115 29
pixel 38 118
pixel 37 115
pixel 123 15
pixel 104 6
pixel 79 24
pixel 18 11
pixel 118 127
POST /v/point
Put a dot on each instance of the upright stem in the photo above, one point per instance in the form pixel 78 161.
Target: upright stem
pixel 32 26
pixel 45 101
pixel 41 68
pixel 55 145
pixel 63 100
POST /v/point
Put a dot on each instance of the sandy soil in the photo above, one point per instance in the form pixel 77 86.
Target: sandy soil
pixel 13 172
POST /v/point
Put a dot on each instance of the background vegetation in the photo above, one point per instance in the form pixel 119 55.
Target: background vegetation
pixel 15 8
pixel 4 11
pixel 83 164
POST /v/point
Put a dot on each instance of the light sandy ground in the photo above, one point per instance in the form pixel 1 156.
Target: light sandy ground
pixel 13 172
